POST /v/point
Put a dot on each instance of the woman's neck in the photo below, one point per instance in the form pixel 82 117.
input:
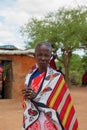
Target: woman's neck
pixel 41 70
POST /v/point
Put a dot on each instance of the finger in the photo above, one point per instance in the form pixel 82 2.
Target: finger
pixel 23 90
pixel 30 89
pixel 27 97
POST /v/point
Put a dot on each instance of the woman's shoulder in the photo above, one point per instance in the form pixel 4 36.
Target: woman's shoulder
pixel 31 70
pixel 51 71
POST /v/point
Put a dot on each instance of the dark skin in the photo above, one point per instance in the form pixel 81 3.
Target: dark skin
pixel 42 56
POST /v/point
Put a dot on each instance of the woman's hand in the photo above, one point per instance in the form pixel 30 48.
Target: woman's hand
pixel 28 93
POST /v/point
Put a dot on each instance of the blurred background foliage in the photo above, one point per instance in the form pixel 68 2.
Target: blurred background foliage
pixel 66 30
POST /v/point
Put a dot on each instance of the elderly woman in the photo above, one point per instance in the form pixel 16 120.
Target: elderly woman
pixel 48 104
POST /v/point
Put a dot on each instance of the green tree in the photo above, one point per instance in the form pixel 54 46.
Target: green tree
pixel 76 69
pixel 64 29
pixel 84 62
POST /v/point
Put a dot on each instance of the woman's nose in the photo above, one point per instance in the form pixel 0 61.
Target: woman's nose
pixel 43 57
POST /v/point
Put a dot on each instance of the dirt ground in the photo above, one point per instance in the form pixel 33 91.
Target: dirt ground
pixel 11 111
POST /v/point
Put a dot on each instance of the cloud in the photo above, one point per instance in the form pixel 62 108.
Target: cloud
pixel 40 7
pixel 15 13
pixel 10 26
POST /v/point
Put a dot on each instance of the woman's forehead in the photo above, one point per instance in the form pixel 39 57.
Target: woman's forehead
pixel 43 47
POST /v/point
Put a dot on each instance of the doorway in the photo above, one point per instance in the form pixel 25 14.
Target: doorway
pixel 7 79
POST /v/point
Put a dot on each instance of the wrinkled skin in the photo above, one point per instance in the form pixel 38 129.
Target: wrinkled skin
pixel 43 55
pixel 28 94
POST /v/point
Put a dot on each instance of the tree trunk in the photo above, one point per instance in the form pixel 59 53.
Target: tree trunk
pixel 67 75
pixel 66 62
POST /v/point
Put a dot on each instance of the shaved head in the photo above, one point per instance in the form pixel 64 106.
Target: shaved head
pixel 46 44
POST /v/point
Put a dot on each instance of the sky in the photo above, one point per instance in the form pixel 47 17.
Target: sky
pixel 16 13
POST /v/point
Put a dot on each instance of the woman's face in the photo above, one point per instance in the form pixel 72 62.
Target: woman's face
pixel 42 55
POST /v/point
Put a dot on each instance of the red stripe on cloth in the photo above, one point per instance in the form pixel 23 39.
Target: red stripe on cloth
pixel 75 127
pixel 65 107
pixel 59 98
pixel 56 87
pixel 70 118
pixel 36 82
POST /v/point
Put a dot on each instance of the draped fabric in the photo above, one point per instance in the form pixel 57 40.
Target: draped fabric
pixel 1 79
pixel 60 100
pixel 53 64
pixel 53 103
pixel 36 82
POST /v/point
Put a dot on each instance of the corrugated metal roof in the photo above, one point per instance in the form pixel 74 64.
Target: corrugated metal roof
pixel 8 47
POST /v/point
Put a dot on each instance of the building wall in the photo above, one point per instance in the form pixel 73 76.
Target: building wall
pixel 20 67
